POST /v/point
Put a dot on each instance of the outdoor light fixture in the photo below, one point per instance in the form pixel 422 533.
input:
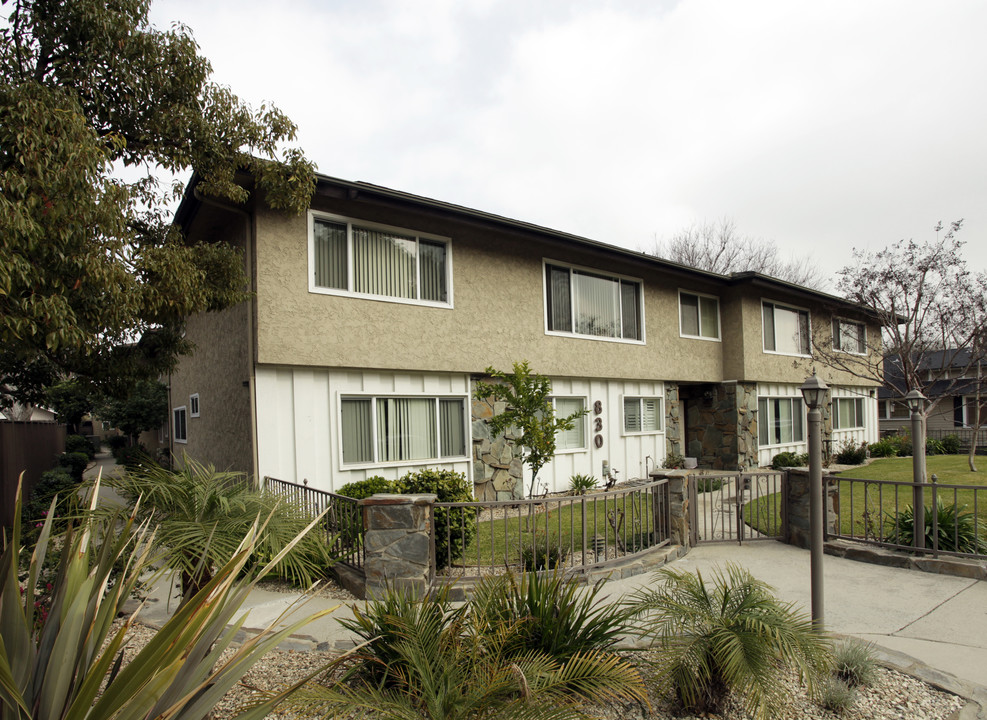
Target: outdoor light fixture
pixel 916 401
pixel 814 392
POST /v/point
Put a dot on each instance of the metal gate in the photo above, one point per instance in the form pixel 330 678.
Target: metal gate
pixel 737 507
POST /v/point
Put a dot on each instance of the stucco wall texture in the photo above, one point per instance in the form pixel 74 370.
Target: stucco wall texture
pixel 498 314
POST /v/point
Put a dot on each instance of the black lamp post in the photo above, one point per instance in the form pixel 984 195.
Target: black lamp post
pixel 814 393
pixel 917 402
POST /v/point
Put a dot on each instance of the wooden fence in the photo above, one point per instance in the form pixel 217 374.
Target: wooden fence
pixel 28 447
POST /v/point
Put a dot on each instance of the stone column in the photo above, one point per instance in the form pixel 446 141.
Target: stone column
pixel 398 543
pixel 798 505
pixel 678 498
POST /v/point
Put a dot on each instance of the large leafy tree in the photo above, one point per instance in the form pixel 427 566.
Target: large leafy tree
pixel 94 279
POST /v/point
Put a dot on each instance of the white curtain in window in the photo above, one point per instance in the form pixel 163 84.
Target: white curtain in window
pixel 433 270
pixel 596 303
pixel 384 263
pixel 357 430
pixel 689 311
pixel 405 429
pixel 559 299
pixel 709 310
pixel 451 427
pixel 575 438
pixel 330 255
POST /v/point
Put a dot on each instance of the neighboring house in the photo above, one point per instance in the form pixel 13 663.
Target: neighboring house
pixel 373 315
pixel 951 378
pixel 29 413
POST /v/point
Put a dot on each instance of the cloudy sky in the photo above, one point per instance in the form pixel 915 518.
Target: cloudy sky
pixel 819 126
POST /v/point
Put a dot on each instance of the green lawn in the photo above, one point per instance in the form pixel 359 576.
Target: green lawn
pixel 865 508
pixel 502 540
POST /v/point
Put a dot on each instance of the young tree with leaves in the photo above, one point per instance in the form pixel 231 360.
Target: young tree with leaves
pixel 933 310
pixel 95 281
pixel 145 407
pixel 529 416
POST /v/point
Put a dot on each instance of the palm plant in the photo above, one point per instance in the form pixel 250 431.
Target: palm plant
pixel 202 514
pixel 56 671
pixel 550 613
pixel 734 636
pixel 429 660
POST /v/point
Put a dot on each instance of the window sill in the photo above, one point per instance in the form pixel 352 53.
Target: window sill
pixel 785 354
pixel 642 433
pixel 699 337
pixel 316 290
pixel 403 463
pixel 577 336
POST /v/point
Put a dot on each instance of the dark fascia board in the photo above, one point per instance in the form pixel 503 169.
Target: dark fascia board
pixel 767 282
pixel 368 192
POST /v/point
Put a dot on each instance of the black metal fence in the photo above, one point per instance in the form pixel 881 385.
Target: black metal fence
pixel 737 507
pixel 570 533
pixel 342 524
pixel 880 512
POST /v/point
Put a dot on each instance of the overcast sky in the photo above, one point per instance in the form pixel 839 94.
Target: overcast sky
pixel 820 126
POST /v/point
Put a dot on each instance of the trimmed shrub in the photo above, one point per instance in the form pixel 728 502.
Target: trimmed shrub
pixel 81 444
pixel 117 443
pixel 887 446
pixel 951 445
pixel 134 456
pixel 850 453
pixel 362 489
pixel 455 528
pixel 789 459
pixel 75 463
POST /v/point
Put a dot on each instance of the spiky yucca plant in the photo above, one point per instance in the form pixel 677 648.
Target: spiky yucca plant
pixel 201 515
pixel 56 673
pixel 733 636
pixel 428 660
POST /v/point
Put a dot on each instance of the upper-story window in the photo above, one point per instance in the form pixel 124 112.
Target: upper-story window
pixel 849 336
pixel 583 302
pixel 699 316
pixel 377 261
pixel 786 329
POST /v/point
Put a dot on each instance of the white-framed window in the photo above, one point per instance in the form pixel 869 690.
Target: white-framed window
pixel 391 429
pixel 699 316
pixel 580 301
pixel 780 421
pixel 369 260
pixel 848 413
pixel 574 439
pixel 849 336
pixel 786 329
pixel 642 415
pixel 193 405
pixel 179 424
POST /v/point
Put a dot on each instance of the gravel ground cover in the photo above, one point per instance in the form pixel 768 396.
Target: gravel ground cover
pixel 895 696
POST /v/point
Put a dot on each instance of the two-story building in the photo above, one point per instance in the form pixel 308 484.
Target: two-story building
pixel 373 315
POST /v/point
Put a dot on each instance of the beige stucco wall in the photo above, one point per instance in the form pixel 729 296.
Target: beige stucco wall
pixel 497 318
pixel 219 370
pixel 752 363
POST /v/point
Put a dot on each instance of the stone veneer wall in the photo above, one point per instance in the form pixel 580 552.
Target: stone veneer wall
pixel 722 430
pixel 497 467
pixel 673 421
